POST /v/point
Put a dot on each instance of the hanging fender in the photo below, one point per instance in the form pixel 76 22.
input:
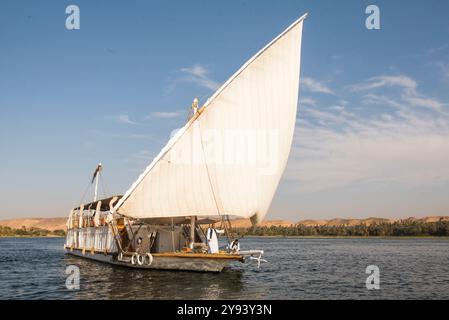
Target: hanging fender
pixel 134 258
pixel 140 259
pixel 149 258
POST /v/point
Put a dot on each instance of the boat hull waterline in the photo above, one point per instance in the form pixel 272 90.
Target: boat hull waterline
pixel 164 261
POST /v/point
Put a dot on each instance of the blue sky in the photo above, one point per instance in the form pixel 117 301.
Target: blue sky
pixel 372 134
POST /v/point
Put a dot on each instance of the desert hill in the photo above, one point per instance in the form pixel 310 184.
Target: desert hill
pixel 246 223
pixel 52 224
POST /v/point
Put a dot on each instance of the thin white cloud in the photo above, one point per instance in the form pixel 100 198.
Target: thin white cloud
pixel 418 101
pixel 387 150
pixel 196 70
pixel 165 115
pixel 432 51
pixel 199 75
pixel 410 95
pixel 325 117
pixel 141 157
pixel 337 108
pixel 372 98
pixel 138 161
pixel 133 136
pixel 386 81
pixel 313 85
pixel 443 67
pixel 401 146
pixel 122 118
pixel 337 56
pixel 307 101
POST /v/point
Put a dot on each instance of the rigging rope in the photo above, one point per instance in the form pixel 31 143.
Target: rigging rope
pixel 211 186
pixel 85 192
pixel 105 191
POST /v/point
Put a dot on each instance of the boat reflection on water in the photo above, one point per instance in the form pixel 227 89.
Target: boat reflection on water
pixel 103 281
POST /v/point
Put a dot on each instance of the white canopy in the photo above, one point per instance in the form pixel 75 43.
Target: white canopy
pixel 228 159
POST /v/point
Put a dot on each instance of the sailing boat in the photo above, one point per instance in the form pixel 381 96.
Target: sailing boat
pixel 225 162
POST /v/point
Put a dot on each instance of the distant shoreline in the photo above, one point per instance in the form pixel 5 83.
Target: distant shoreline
pixel 33 232
pixel 350 237
pixel 20 236
pixel 287 237
pixel 431 227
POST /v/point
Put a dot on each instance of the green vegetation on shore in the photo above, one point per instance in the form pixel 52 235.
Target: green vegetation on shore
pixel 30 232
pixel 403 228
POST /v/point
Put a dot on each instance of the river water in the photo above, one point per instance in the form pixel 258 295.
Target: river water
pixel 297 268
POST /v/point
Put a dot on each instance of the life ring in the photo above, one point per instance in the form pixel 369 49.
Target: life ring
pixel 134 258
pixel 140 259
pixel 150 258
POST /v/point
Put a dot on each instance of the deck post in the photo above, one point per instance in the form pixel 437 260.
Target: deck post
pixel 172 235
pixel 192 231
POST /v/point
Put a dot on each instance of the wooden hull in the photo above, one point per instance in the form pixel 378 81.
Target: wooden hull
pixel 166 261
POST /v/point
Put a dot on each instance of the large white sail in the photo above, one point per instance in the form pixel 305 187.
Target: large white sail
pixel 229 158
